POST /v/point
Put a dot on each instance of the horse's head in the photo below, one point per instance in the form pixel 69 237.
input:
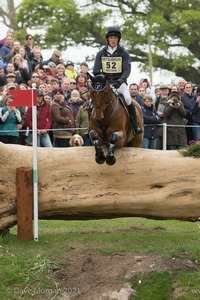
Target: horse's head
pixel 100 94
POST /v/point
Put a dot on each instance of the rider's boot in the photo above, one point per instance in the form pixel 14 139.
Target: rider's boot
pixel 135 126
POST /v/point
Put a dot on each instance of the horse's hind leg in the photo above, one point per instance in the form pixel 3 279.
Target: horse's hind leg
pixel 110 158
pixel 99 156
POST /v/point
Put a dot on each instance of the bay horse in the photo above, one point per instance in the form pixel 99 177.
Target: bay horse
pixel 110 124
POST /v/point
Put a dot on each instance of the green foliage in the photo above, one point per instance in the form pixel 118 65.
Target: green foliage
pixel 173 25
pixel 191 150
pixel 28 265
pixel 154 286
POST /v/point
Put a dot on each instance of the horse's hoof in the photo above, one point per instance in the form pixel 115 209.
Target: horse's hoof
pixel 110 160
pixel 100 160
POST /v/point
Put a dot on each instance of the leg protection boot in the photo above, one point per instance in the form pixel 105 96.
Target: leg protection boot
pixel 135 125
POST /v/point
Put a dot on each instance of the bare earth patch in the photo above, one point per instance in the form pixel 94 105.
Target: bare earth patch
pixel 94 276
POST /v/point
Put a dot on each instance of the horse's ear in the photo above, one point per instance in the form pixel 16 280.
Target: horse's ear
pixel 90 76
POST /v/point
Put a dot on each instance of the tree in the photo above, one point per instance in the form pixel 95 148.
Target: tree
pixel 72 186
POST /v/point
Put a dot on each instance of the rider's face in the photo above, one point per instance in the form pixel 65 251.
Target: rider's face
pixel 113 41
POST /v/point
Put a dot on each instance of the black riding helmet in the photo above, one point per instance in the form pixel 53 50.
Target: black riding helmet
pixel 113 30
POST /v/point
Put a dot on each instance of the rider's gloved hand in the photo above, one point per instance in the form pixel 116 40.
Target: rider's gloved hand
pixel 117 84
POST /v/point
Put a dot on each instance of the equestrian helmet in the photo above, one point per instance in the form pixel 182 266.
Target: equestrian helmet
pixel 115 31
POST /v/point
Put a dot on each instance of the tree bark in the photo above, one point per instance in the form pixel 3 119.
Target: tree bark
pixel 71 185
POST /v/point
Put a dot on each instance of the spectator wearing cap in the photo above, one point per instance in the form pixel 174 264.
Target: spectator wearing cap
pixel 188 99
pixel 174 113
pixel 63 119
pixel 69 70
pixel 44 122
pixel 55 58
pixel 10 117
pixel 196 115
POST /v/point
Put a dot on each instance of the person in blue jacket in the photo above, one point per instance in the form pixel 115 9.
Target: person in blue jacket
pixel 151 119
pixel 114 61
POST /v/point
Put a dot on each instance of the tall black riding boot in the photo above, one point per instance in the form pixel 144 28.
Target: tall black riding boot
pixel 132 112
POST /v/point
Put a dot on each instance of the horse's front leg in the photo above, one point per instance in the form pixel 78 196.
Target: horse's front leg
pixel 99 156
pixel 110 158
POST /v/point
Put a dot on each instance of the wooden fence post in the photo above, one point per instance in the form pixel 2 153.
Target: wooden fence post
pixel 24 185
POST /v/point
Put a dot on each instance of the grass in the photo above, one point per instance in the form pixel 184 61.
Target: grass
pixel 26 266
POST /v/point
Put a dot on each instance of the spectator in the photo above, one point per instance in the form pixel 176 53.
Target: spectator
pixel 84 69
pixel 69 70
pixel 144 82
pixel 196 115
pixel 181 85
pixel 10 117
pixel 65 86
pixel 75 102
pixel 6 49
pixel 141 92
pixel 29 47
pixel 133 89
pixel 20 69
pixel 63 120
pixel 188 100
pixel 44 122
pixel 81 80
pixel 9 32
pixel 13 52
pixel 26 62
pixel 55 58
pixel 55 84
pixel 151 118
pixel 160 105
pixel 174 112
pixel 60 72
pixel 11 78
pixel 35 79
pixel 82 117
pixel 37 58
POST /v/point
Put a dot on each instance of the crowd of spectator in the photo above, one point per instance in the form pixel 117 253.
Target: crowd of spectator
pixel 63 100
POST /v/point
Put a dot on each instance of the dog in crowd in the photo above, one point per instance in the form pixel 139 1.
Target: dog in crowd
pixel 76 141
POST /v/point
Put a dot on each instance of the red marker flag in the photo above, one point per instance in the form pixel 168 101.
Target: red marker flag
pixel 23 97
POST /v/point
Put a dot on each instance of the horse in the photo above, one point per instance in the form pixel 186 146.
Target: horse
pixel 110 124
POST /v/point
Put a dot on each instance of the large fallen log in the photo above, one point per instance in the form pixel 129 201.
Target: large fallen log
pixel 143 183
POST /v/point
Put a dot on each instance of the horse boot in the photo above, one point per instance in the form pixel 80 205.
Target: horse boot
pixel 135 126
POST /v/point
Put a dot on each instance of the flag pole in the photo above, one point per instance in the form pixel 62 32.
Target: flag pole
pixel 35 166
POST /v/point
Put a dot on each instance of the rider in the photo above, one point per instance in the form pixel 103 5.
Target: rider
pixel 114 61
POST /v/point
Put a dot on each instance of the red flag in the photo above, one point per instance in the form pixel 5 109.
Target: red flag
pixel 23 97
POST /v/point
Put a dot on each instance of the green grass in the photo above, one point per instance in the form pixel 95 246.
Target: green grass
pixel 25 264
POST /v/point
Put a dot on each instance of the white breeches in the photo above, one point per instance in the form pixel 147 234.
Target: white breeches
pixel 124 90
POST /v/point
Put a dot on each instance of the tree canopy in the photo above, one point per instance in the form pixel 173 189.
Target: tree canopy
pixel 172 25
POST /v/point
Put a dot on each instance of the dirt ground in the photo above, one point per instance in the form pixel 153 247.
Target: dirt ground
pixel 94 276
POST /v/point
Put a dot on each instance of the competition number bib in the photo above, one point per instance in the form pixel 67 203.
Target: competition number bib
pixel 111 64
